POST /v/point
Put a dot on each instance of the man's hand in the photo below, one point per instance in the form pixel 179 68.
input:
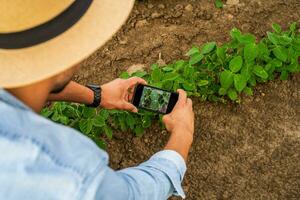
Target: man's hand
pixel 117 94
pixel 180 123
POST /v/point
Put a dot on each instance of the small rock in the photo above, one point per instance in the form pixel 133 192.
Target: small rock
pixel 263 94
pixel 232 2
pixel 156 15
pixel 161 6
pixel 123 41
pixel 135 68
pixel 189 8
pixel 229 16
pixel 141 23
pixel 178 7
pixel 150 6
pixel 177 14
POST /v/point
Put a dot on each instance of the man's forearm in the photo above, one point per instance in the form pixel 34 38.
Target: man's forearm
pixel 74 92
pixel 180 143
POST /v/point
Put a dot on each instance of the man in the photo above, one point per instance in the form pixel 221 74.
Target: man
pixel 40 44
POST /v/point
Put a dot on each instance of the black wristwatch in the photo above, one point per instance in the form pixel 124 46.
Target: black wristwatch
pixel 97 95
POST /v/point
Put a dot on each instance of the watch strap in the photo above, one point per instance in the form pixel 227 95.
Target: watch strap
pixel 97 95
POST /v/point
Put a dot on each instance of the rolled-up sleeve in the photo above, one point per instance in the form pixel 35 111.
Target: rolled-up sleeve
pixel 156 179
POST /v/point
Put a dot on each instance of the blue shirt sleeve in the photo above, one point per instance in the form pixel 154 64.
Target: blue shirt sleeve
pixel 156 179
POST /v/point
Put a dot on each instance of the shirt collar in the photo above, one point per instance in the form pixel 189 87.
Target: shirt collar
pixel 7 98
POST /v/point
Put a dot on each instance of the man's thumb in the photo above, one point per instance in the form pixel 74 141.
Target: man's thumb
pixel 130 107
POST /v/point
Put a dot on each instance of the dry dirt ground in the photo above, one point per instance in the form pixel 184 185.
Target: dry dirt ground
pixel 246 151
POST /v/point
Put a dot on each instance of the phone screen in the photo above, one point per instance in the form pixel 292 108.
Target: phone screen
pixel 155 99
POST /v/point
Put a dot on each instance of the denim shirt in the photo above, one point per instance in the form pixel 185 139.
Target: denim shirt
pixel 44 160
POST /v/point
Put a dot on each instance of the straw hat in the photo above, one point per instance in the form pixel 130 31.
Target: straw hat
pixel 39 39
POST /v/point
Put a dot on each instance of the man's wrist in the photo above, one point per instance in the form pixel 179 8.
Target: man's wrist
pixel 183 134
pixel 180 141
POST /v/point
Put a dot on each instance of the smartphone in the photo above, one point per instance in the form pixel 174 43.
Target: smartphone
pixel 154 99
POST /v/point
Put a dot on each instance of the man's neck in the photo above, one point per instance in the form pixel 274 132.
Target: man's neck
pixel 34 96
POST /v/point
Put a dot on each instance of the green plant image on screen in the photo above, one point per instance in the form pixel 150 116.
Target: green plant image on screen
pixel 154 99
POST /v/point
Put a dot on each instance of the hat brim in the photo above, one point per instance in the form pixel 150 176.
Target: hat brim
pixel 22 67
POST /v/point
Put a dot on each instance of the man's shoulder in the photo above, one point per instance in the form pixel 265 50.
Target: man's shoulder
pixel 62 144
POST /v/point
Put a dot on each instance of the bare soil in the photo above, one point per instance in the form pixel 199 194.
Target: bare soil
pixel 245 151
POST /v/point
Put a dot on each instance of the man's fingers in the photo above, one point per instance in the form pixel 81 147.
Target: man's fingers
pixel 134 80
pixel 182 97
pixel 130 107
pixel 189 102
pixel 165 119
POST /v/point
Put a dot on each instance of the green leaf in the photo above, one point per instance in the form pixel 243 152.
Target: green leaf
pixel 276 28
pixel 124 75
pixel 188 71
pixel 276 63
pixel 226 79
pixel 138 130
pixel 222 91
pixel 154 66
pixel 170 76
pixel 248 91
pixel 208 47
pixel 263 50
pixel 219 4
pixel 122 122
pixel 196 58
pixel 192 51
pixel 281 53
pixel 179 65
pixel 293 67
pixel 168 85
pixel 130 121
pixel 221 53
pixel 88 112
pixel 252 81
pixel 104 113
pixel 235 33
pixel 247 71
pixel 168 69
pixel 139 74
pixel 86 126
pixel 108 132
pixel 232 94
pixel 146 121
pixel 100 143
pixel 246 39
pixel 236 64
pixel 250 52
pixel 156 75
pixel 272 37
pixel 55 117
pixel 158 84
pixel 99 121
pixel 203 83
pixel 285 40
pixel 71 111
pixel 240 82
pixel 284 75
pixel 188 86
pixel 293 27
pixel 260 72
pixel 46 112
pixel 64 120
